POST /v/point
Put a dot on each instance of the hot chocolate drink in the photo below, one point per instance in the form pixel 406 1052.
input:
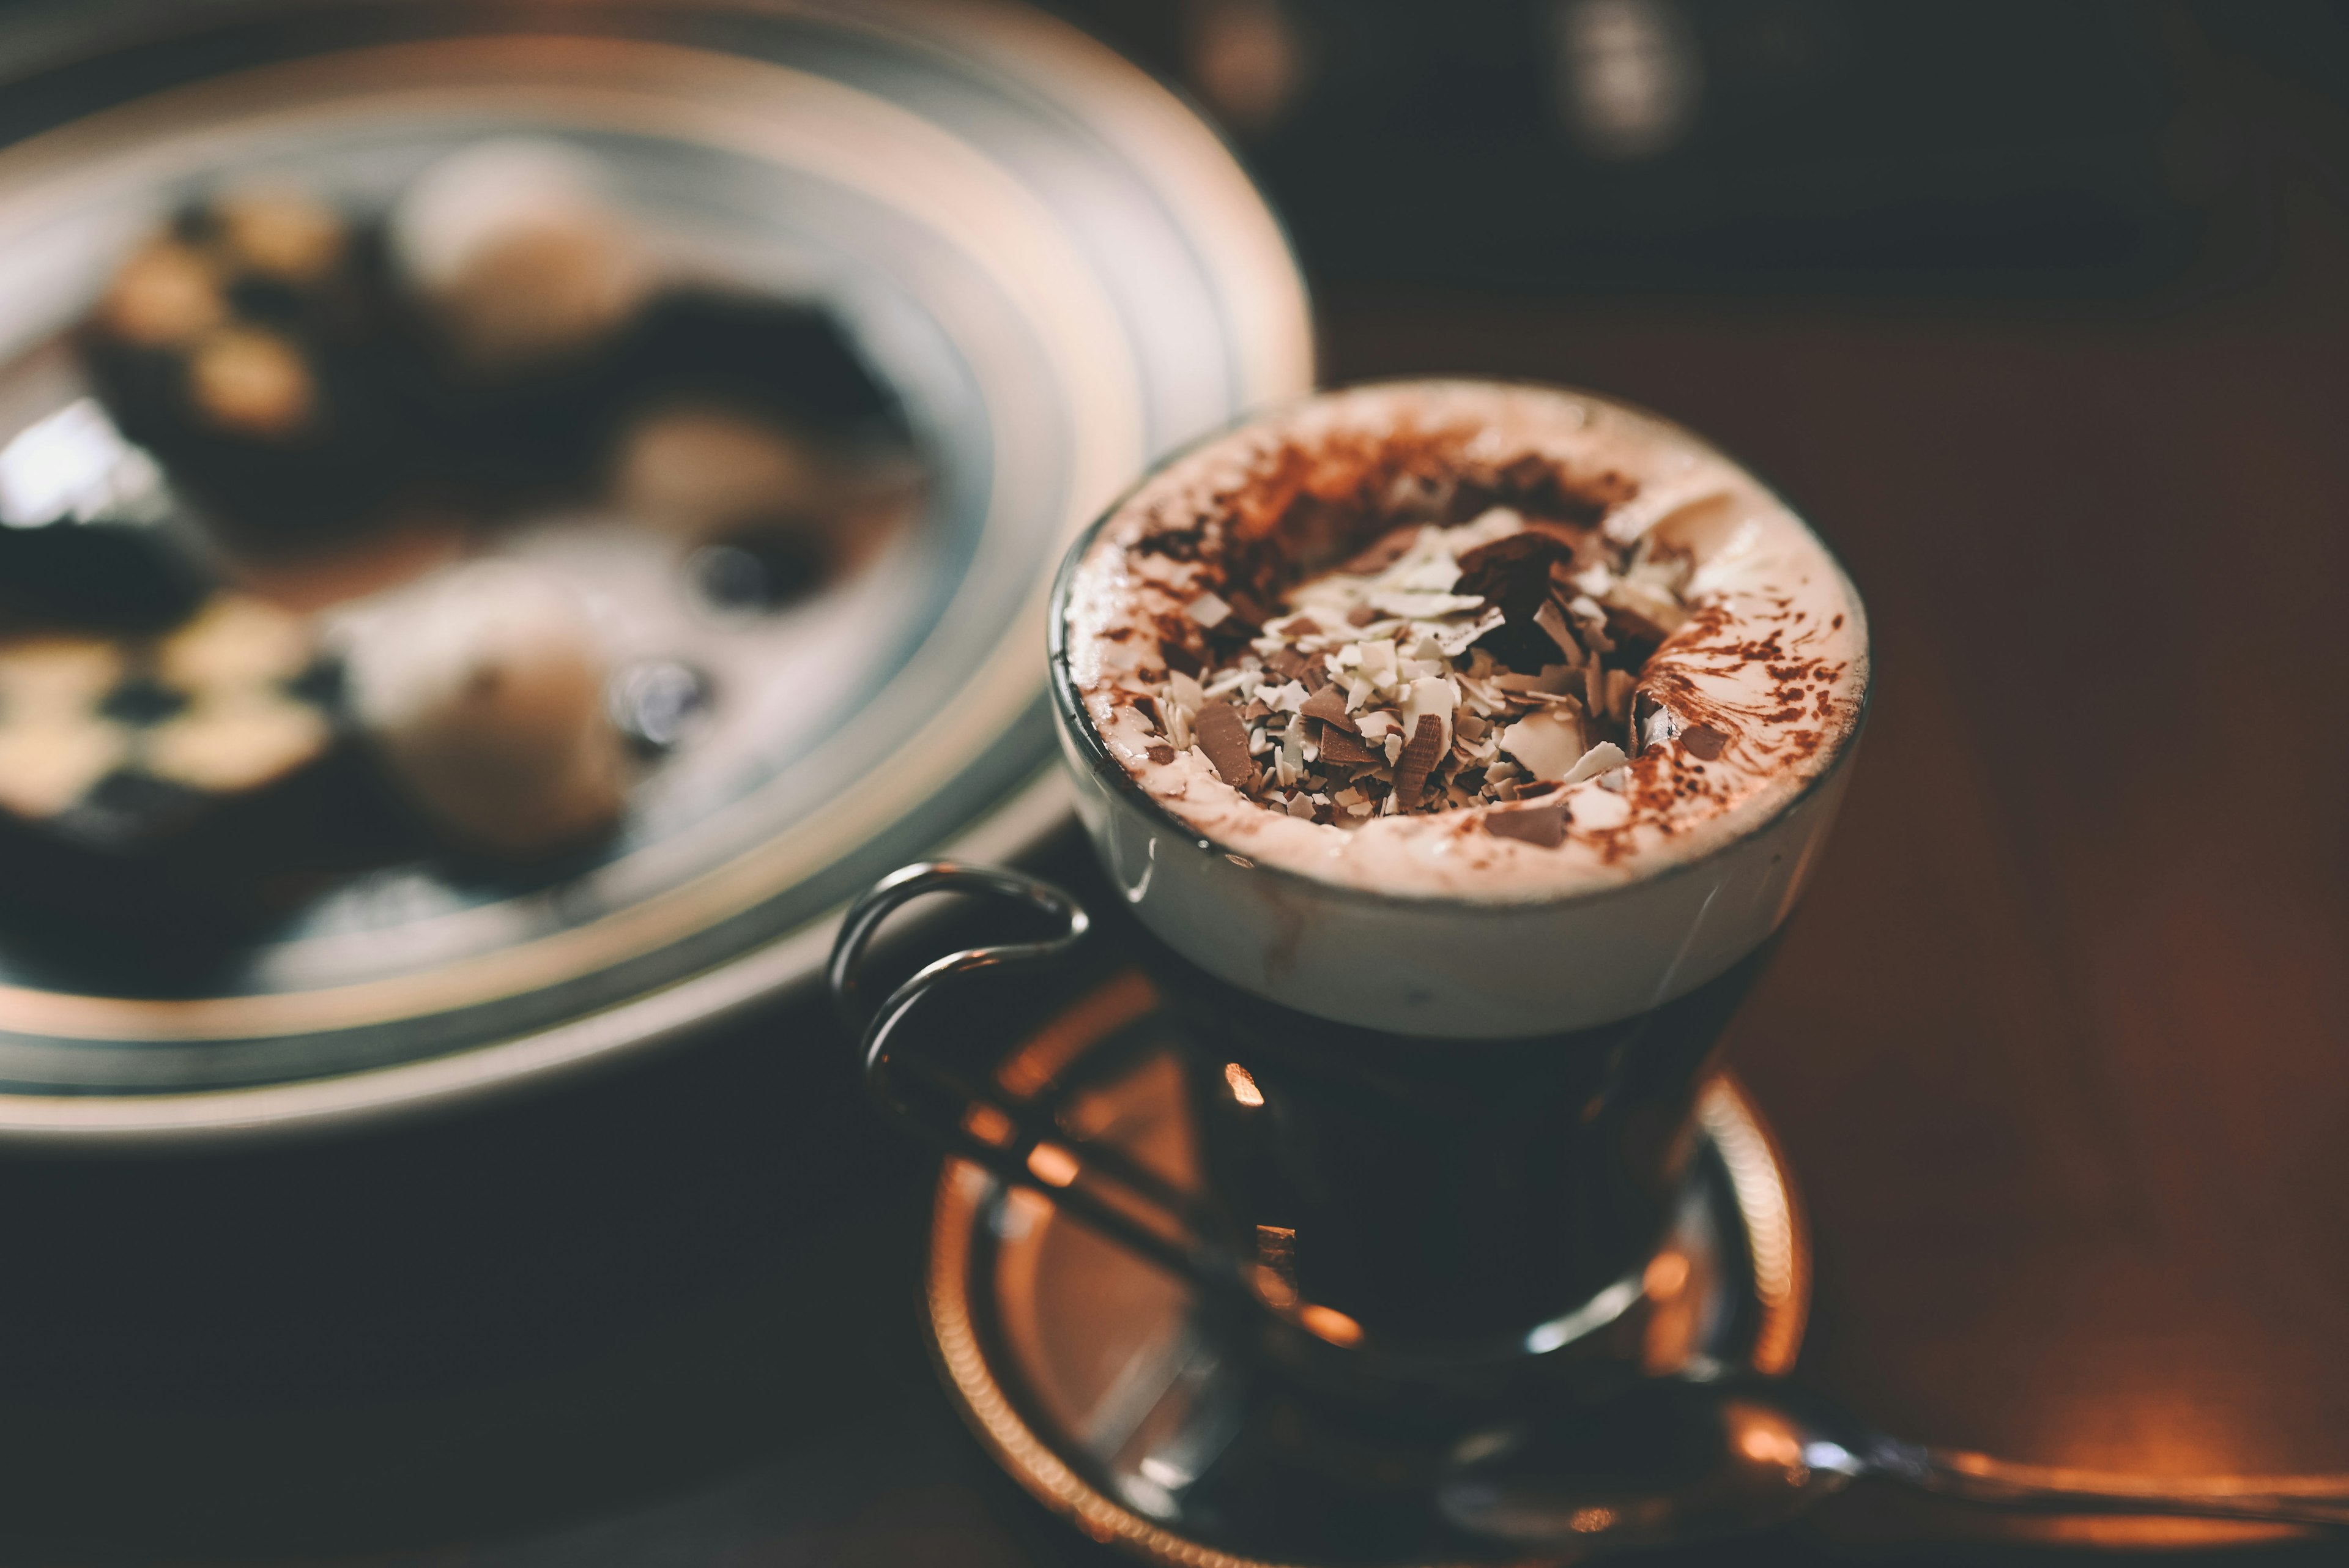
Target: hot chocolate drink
pixel 1482 642
pixel 1463 747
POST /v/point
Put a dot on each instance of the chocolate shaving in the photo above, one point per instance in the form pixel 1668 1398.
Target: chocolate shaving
pixel 1539 488
pixel 1317 672
pixel 1257 709
pixel 1173 544
pixel 1304 626
pixel 1704 741
pixel 1285 662
pixel 1391 547
pixel 1542 823
pixel 1241 623
pixel 1513 572
pixel 1162 755
pixel 1248 610
pixel 1634 632
pixel 1361 615
pixel 1223 735
pixel 1179 656
pixel 1644 706
pixel 1420 754
pixel 1339 749
pixel 1208 609
pixel 1329 705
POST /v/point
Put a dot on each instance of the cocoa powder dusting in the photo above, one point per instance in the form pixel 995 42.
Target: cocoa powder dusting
pixel 1407 622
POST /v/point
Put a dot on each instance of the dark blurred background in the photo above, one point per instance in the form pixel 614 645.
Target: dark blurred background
pixel 2042 310
pixel 1743 147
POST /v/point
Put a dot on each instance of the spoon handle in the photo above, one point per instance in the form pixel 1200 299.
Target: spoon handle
pixel 2316 1500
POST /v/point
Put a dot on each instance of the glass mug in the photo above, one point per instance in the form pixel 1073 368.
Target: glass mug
pixel 1437 1133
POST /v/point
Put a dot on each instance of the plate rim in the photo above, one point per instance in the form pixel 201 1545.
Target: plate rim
pixel 670 1015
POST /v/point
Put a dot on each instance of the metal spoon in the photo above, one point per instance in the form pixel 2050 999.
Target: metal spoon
pixel 1667 1460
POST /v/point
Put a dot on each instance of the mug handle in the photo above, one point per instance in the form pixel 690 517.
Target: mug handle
pixel 1017 1140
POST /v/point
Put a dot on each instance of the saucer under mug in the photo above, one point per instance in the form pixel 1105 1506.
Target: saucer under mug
pixel 1145 1414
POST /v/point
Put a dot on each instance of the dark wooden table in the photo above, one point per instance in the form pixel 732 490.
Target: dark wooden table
pixel 2057 1045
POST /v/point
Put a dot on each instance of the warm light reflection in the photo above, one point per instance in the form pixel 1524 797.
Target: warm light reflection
pixel 1330 1324
pixel 1589 1521
pixel 1243 1085
pixel 1275 1275
pixel 1271 1288
pixel 1053 1165
pixel 987 1125
pixel 1117 1003
pixel 1769 1442
pixel 2140 1422
pixel 1667 1275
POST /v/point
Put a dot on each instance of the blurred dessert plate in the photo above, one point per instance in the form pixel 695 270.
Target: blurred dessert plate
pixel 1051 273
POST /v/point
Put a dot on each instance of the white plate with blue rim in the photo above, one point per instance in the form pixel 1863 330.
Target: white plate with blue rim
pixel 1058 270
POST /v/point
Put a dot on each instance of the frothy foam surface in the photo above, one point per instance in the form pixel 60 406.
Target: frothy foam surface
pixel 1741 707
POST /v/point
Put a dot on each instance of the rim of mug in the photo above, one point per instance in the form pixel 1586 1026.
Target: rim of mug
pixel 1069 707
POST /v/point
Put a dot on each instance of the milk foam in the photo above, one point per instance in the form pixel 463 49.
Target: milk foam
pixel 1774 658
